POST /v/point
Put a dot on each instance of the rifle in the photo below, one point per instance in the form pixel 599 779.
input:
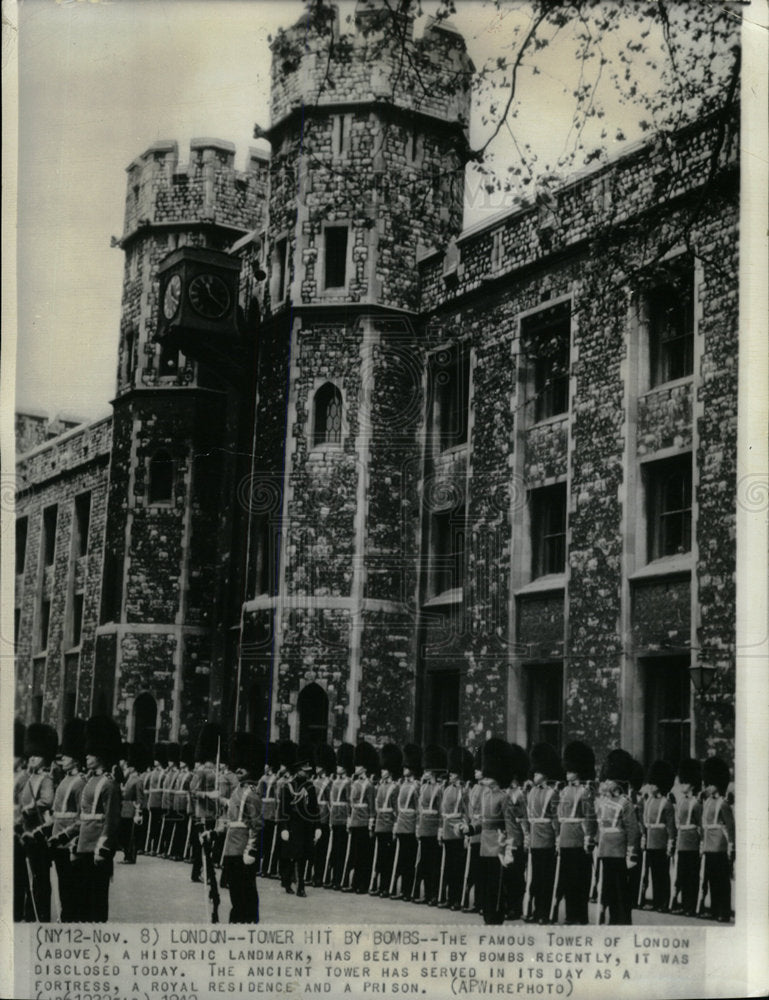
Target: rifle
pixel 31 884
pixel 149 824
pixel 210 880
pixel 642 886
pixel 701 890
pixel 272 848
pixel 373 866
pixel 56 899
pixel 599 918
pixel 527 900
pixel 160 838
pixel 328 852
pixel 674 880
pixel 466 878
pixel 555 900
pixel 443 870
pixel 394 875
pixel 346 859
pixel 593 896
pixel 187 841
pixel 416 868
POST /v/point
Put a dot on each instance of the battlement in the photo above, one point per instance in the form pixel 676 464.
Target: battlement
pixel 208 188
pixel 314 64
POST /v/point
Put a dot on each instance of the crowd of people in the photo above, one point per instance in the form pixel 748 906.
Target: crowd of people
pixel 502 833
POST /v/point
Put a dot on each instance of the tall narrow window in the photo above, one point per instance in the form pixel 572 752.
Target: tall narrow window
pixel 669 506
pixel 341 128
pixel 111 589
pixel 262 558
pixel 545 703
pixel 671 329
pixel 168 363
pixel 450 381
pixel 312 706
pixel 43 624
pixel 548 530
pixel 280 263
pixel 77 619
pixel 21 544
pixel 335 246
pixel 447 550
pixel 82 523
pixel 443 697
pixel 327 423
pixel 546 338
pixel 161 478
pixel 667 708
pixel 50 515
pixel 128 358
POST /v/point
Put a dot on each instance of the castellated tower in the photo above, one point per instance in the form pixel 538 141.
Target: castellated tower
pixel 157 663
pixel 368 139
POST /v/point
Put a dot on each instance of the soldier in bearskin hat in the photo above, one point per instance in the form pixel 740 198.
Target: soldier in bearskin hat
pixel 362 816
pixel 242 838
pixel 473 838
pixel 288 751
pixel 339 813
pixel 137 760
pixel 35 804
pixel 688 824
pixel 182 830
pixel 204 791
pixel 168 799
pixel 299 821
pixel 577 831
pixel 637 798
pixel 325 767
pixel 496 828
pixel 618 837
pixel 450 832
pixel 20 777
pixel 659 831
pixel 66 814
pixel 717 838
pixel 514 876
pixel 428 824
pixel 542 806
pixel 406 823
pixel 155 798
pixel 267 785
pixel 99 818
pixel 385 807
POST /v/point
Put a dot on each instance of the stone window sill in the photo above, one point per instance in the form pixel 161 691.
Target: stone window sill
pixel 453 596
pixel 667 386
pixel 557 418
pixel 551 581
pixel 676 565
pixel 319 451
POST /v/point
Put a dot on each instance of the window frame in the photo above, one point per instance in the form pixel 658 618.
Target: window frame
pixel 548 397
pixel 164 501
pixel 447 403
pixel 679 283
pixel 658 514
pixel 326 287
pixel 538 674
pixel 659 675
pixel 447 560
pixel 316 445
pixel 541 502
pixel 20 549
pixel 81 535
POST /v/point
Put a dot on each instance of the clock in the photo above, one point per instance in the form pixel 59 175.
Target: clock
pixel 172 297
pixel 209 296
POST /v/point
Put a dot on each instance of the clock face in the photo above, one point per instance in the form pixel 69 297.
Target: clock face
pixel 209 296
pixel 172 297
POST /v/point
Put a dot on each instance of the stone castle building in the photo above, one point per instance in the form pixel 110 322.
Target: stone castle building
pixel 370 475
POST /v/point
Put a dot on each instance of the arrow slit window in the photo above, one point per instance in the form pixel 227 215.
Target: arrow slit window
pixel 160 485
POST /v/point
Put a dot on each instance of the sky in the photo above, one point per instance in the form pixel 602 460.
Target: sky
pixel 99 82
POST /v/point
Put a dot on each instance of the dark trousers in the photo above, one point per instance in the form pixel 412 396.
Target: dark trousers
pixel 718 878
pixel 179 838
pixel 514 884
pixel 338 853
pixel 198 827
pixel 360 858
pixel 173 821
pixel 320 850
pixel 542 881
pixel 93 880
pixel 489 890
pixel 40 864
pixel 127 839
pixel 270 850
pixel 69 887
pixel 385 855
pixel 688 879
pixel 615 894
pixel 428 869
pixel 244 898
pixel 574 883
pixel 407 853
pixel 453 871
pixel 20 886
pixel 474 875
pixel 658 869
pixel 155 823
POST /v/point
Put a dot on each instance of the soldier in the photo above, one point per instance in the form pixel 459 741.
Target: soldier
pixel 453 824
pixel 36 802
pixel 339 812
pixel 514 875
pixel 66 813
pixel 168 799
pixel 243 834
pixel 99 819
pixel 146 779
pixel 717 838
pixel 299 822
pixel 228 782
pixel 542 807
pixel 267 791
pixel 428 824
pixel 659 826
pixel 182 829
pixel 155 799
pixel 288 751
pixel 204 792
pixel 637 798
pixel 360 824
pixel 577 831
pixel 20 777
pixel 325 765
pixel 688 825
pixel 386 807
pixel 131 801
pixel 473 845
pixel 617 837
pixel 496 828
pixel 406 822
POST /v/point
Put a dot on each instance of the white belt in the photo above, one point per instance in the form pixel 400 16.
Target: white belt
pixel 408 810
pixel 572 819
pixel 385 810
pixel 688 826
pixel 451 815
pixel 656 826
pixel 712 826
pixel 65 815
pixel 236 824
pixel 542 819
pixel 91 815
pixel 429 812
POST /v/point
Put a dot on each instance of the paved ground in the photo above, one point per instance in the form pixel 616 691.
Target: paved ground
pixel 158 891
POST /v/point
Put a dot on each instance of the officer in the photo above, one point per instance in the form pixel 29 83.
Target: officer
pixel 496 828
pixel 473 844
pixel 20 777
pixel 66 813
pixel 637 797
pixel 659 831
pixel 339 812
pixel 299 825
pixel 155 799
pixel 36 803
pixel 267 791
pixel 131 801
pixel 428 825
pixel 542 807
pixel 618 837
pixel 204 792
pixel 181 834
pixel 717 838
pixel 386 809
pixel 325 766
pixel 406 823
pixel 514 875
pixel 577 831
pixel 168 799
pixel 453 824
pixel 688 829
pixel 243 829
pixel 99 819
pixel 360 823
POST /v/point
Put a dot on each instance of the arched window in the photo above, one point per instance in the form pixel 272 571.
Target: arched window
pixel 161 478
pixel 145 712
pixel 327 425
pixel 312 705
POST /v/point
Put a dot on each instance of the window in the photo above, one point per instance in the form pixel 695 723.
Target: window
pixel 545 703
pixel 145 713
pixel 112 589
pixel 263 556
pixel 671 330
pixel 447 550
pixel 82 523
pixel 341 127
pixel 546 337
pixel 450 383
pixel 16 624
pixel 70 704
pixel 548 530
pixel 49 534
pixel 44 622
pixel 161 478
pixel 21 544
pixel 443 719
pixel 77 619
pixel 497 249
pixel 312 706
pixel 280 268
pixel 669 506
pixel 327 422
pixel 128 358
pixel 667 708
pixel 168 363
pixel 335 246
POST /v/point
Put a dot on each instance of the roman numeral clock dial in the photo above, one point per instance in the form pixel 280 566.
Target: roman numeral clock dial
pixel 209 296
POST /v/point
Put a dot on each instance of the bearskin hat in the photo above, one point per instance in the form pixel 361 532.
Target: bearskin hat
pixel 172 753
pixel 19 732
pixel 187 755
pixel 160 754
pixel 325 758
pixel 241 747
pixel 519 763
pixel 345 757
pixel 690 773
pixel 636 775
pixel 478 759
pixel 367 757
pixel 544 760
pixel 716 772
pixel 40 741
pixel 102 739
pixel 618 766
pixel 305 756
pixel 139 757
pixel 73 739
pixel 579 758
pixel 412 758
pixel 497 761
pixel 288 753
pixel 461 762
pixel 454 760
pixel 662 775
pixel 434 758
pixel 209 743
pixel 124 750
pixel 273 755
pixel 391 759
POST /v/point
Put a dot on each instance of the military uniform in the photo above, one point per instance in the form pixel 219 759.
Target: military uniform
pixel 688 814
pixel 298 824
pixel 267 792
pixel 168 800
pixel 718 833
pixel 243 831
pixel 386 811
pixel 496 828
pixel 35 805
pixel 405 831
pixel 453 819
pixel 428 825
pixel 577 832
pixel 66 813
pixel 659 832
pixel 205 792
pixel 542 807
pixel 339 813
pixel 326 761
pixel 155 799
pixel 474 794
pixel 362 817
pixel 618 836
pixel 183 809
